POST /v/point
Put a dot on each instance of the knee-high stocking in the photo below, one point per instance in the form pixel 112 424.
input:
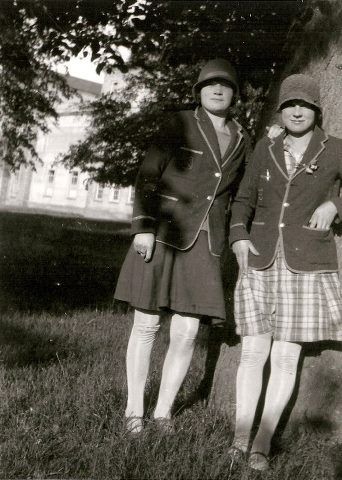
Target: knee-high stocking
pixel 284 362
pixel 145 328
pixel 255 351
pixel 183 332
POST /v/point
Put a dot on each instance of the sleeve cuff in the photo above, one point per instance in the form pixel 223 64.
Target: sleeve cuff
pixel 237 232
pixel 143 224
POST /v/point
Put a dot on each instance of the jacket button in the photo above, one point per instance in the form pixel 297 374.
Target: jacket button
pixel 209 197
pixel 217 174
pixel 281 225
pixel 286 204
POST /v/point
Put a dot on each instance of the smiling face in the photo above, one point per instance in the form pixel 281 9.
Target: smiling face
pixel 298 116
pixel 216 97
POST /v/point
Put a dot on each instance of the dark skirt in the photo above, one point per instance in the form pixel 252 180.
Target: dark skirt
pixel 188 282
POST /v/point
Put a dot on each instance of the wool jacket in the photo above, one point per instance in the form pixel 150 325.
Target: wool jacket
pixel 273 210
pixel 183 181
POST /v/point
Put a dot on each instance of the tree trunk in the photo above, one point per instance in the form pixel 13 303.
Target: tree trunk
pixel 317 401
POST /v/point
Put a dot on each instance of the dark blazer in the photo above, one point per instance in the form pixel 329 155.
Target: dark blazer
pixel 272 209
pixel 183 179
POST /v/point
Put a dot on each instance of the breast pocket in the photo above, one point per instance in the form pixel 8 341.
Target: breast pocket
pixel 185 159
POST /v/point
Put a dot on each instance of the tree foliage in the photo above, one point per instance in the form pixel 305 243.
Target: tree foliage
pixel 29 88
pixel 168 40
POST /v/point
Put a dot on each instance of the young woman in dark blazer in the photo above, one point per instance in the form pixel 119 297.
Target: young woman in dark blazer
pixel 179 225
pixel 288 290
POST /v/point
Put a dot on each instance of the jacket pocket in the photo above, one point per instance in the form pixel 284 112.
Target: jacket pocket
pixel 316 230
pixel 166 206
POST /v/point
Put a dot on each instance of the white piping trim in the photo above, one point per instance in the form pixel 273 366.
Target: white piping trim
pixel 140 217
pixel 191 150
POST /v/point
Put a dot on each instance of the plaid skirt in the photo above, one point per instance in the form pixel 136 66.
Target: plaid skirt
pixel 294 307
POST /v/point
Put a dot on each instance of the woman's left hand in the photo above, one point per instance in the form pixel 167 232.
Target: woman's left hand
pixel 323 216
pixel 274 131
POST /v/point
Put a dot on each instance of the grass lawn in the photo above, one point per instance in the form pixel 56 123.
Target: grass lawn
pixel 62 403
pixel 62 372
pixel 56 263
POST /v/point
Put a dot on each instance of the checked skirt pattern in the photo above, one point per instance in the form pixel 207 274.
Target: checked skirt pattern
pixel 295 307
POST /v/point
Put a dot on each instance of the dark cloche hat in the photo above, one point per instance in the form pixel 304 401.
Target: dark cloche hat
pixel 218 68
pixel 299 87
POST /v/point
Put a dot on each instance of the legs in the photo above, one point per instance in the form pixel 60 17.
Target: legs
pixel 255 352
pixel 284 361
pixel 145 327
pixel 183 332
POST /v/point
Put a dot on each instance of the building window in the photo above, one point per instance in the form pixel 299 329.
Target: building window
pixel 115 194
pixel 51 176
pixel 74 178
pixel 99 192
pixel 131 195
pixel 73 184
pixel 50 183
pixel 15 183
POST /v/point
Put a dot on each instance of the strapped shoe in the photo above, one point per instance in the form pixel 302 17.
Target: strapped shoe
pixel 236 454
pixel 134 424
pixel 259 461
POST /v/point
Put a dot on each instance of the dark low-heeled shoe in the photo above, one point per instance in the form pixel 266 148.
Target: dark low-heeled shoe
pixel 134 424
pixel 259 461
pixel 165 425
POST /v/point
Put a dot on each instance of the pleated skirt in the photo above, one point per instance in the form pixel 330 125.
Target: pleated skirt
pixel 295 307
pixel 188 282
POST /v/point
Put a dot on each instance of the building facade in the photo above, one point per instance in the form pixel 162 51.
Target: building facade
pixel 54 189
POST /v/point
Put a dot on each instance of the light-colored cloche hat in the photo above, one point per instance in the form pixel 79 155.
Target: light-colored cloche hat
pixel 218 68
pixel 299 87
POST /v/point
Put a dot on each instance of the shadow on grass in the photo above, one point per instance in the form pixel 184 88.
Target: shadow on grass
pixel 56 264
pixel 23 347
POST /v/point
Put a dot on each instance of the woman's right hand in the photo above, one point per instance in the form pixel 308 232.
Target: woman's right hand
pixel 241 249
pixel 144 245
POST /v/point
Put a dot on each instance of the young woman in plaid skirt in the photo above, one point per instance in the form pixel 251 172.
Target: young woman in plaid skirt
pixel 288 291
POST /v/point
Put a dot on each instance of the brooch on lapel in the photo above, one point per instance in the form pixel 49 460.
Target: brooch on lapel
pixel 267 177
pixel 310 169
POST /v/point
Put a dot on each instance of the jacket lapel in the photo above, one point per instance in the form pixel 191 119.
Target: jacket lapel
pixel 313 151
pixel 236 137
pixel 208 133
pixel 276 149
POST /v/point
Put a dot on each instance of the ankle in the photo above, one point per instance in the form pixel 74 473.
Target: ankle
pixel 241 442
pixel 162 414
pixel 261 447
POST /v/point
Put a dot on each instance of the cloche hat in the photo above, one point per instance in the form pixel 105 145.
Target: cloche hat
pixel 218 68
pixel 299 87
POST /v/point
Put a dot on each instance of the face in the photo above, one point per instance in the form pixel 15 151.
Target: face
pixel 298 117
pixel 216 97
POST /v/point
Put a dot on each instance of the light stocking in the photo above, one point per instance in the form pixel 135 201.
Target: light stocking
pixel 255 352
pixel 284 362
pixel 183 332
pixel 145 327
